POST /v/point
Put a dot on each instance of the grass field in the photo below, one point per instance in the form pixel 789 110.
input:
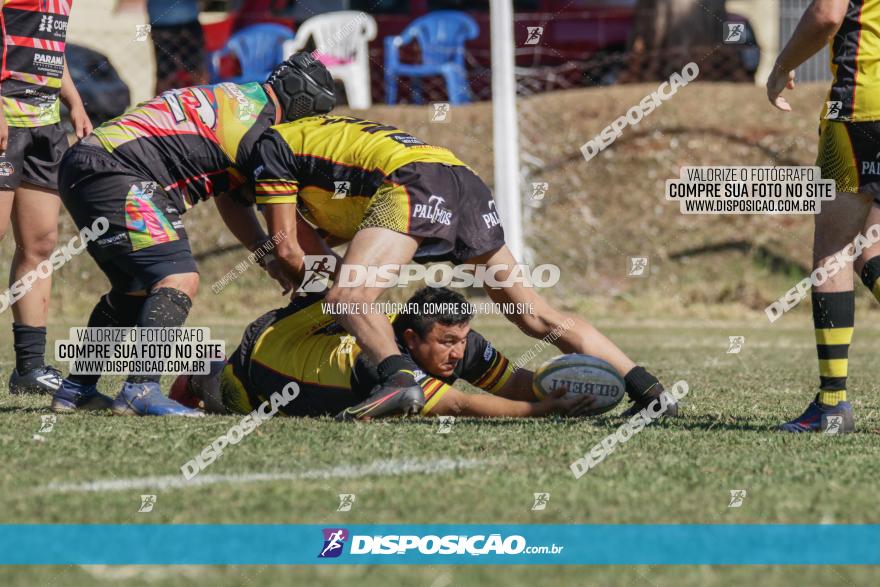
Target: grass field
pixel 672 473
pixel 710 277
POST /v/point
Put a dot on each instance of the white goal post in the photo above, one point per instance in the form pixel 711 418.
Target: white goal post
pixel 505 133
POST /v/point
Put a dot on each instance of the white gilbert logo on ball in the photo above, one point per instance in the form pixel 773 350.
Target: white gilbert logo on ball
pixel 581 374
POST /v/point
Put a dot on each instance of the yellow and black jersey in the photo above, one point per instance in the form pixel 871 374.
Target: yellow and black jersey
pixel 332 166
pixel 301 343
pixel 855 64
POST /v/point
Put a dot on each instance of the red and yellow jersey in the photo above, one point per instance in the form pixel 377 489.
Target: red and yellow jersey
pixel 855 64
pixel 303 344
pixel 192 141
pixel 34 33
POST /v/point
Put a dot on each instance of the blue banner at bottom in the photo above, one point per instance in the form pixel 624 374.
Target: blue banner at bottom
pixel 467 544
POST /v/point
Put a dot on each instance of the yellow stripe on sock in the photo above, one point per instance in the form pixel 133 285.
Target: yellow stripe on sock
pixel 832 398
pixel 834 335
pixel 833 367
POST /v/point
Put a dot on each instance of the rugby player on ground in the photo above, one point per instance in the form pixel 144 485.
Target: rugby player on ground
pixel 143 171
pixel 849 134
pixel 304 345
pixel 404 200
pixel 33 77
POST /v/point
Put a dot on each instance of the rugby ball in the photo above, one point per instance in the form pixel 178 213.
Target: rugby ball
pixel 581 374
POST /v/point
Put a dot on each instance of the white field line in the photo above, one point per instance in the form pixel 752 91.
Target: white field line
pixel 376 468
pixel 150 574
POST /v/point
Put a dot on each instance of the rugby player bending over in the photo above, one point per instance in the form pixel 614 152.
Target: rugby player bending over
pixel 404 200
pixel 142 171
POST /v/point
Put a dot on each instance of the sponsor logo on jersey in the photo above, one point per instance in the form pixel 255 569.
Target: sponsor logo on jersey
pixel 45 59
pixel 245 107
pixel 434 210
pixel 52 24
pixel 406 140
pixel 870 167
pixel 111 239
pixel 491 218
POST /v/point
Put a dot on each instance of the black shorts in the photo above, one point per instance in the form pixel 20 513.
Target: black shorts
pixel 32 156
pixel 448 206
pixel 146 240
pixel 848 155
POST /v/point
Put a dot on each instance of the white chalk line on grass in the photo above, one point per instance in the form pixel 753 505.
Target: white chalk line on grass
pixel 389 468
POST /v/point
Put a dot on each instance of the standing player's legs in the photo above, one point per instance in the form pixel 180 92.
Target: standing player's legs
pixel 479 240
pixel 372 247
pixel 29 169
pixel 35 226
pixel 148 261
pixel 165 303
pixel 574 334
pixel 833 314
pixel 150 288
pixel 842 148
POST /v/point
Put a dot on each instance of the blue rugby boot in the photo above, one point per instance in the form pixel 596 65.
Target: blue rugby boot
pixel 818 418
pixel 146 399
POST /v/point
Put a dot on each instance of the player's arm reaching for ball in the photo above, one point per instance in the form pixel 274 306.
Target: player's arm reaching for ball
pixel 509 391
pixel 275 190
pixel 453 402
pixel 242 222
pixel 569 333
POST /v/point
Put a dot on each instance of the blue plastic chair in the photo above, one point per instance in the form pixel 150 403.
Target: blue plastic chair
pixel 441 36
pixel 258 48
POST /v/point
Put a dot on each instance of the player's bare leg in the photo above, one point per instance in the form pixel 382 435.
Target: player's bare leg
pixel 572 334
pixel 867 265
pixel 373 332
pixel 371 247
pixel 836 226
pixel 34 213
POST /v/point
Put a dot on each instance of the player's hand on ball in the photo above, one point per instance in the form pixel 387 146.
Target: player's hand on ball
pixel 572 405
pixel 778 81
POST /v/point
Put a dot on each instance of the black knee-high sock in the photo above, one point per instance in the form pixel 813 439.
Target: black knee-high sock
pixel 871 276
pixel 30 347
pixel 164 308
pixel 639 382
pixel 113 309
pixel 833 319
